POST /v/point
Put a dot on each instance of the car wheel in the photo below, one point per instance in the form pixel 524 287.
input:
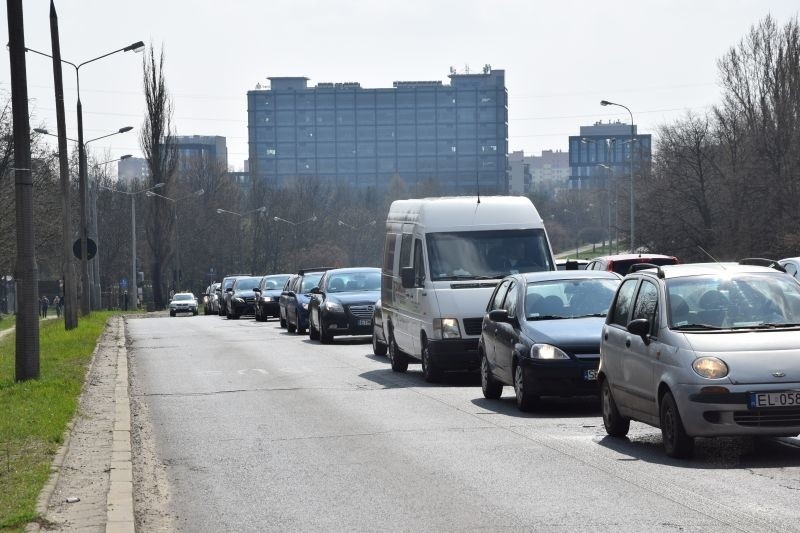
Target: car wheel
pixel 194 313
pixel 431 372
pixel 492 389
pixel 221 311
pixel 324 336
pixel 172 313
pixel 397 358
pixel 282 322
pixel 525 400
pixel 313 332
pixel 291 328
pixel 676 442
pixel 378 348
pixel 616 424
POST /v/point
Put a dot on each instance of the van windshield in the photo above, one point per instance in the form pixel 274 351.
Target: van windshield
pixel 487 254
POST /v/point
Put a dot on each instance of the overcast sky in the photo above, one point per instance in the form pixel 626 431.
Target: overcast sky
pixel 561 57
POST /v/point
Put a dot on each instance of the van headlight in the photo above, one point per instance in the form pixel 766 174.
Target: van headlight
pixel 710 367
pixel 446 328
pixel 547 351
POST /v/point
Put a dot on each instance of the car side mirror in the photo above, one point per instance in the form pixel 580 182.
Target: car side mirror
pixel 641 328
pixel 499 315
pixel 256 290
pixel 407 277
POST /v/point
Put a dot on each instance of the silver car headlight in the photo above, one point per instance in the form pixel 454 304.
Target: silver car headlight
pixel 333 307
pixel 446 328
pixel 547 352
pixel 710 367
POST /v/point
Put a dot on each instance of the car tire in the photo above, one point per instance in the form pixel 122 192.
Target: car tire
pixel 492 389
pixel 291 328
pixel 282 322
pixel 676 442
pixel 525 400
pixel 313 332
pixel 194 313
pixel 398 359
pixel 430 372
pixel 616 424
pixel 172 313
pixel 378 348
pixel 324 336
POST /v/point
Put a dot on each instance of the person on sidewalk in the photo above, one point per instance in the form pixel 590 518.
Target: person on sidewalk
pixel 57 305
pixel 45 305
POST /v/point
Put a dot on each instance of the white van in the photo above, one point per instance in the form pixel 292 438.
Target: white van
pixel 442 259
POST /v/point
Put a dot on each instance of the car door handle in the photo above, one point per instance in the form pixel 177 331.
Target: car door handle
pixel 605 337
pixel 627 343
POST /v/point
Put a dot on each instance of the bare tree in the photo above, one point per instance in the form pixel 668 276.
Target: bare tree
pixel 156 140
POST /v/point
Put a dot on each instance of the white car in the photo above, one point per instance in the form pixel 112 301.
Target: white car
pixel 183 302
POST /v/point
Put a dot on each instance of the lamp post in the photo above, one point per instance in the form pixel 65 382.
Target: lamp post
pixel 261 209
pixel 295 224
pixel 89 297
pixel 82 175
pixel 133 194
pixel 175 201
pixel 355 228
pixel 633 138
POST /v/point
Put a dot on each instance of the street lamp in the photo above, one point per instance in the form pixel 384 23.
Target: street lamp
pixel 633 240
pixel 295 225
pixel 138 46
pixel 133 194
pixel 261 209
pixel 175 201
pixel 88 294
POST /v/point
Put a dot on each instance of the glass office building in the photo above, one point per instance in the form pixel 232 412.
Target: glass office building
pixel 452 136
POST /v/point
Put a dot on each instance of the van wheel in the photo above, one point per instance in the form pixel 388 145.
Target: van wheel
pixel 431 372
pixel 676 442
pixel 525 400
pixel 397 358
pixel 616 424
pixel 492 389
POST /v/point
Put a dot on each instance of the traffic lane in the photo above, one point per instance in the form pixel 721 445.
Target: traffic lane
pixel 398 437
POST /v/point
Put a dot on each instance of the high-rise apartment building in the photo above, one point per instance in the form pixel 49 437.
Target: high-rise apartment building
pixel 547 172
pixel 603 151
pixel 452 136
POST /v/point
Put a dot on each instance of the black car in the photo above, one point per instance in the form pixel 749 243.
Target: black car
pixel 295 300
pixel 541 334
pixel 222 291
pixel 240 298
pixel 268 296
pixel 282 299
pixel 343 303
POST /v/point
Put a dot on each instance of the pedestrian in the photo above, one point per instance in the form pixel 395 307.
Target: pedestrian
pixel 57 305
pixel 45 305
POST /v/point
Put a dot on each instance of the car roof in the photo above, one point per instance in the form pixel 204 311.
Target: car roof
pixel 707 269
pixel 551 275
pixel 353 269
pixel 623 257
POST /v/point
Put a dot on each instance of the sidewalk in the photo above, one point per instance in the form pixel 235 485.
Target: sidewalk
pixel 93 465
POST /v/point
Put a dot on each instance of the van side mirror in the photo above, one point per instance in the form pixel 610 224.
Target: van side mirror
pixel 407 277
pixel 641 328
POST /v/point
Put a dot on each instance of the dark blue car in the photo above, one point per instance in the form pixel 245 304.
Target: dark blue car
pixel 541 334
pixel 295 299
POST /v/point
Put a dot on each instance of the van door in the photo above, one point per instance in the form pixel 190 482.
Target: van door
pixel 405 298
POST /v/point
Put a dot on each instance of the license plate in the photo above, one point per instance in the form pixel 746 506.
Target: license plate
pixel 765 400
pixel 364 322
pixel 590 375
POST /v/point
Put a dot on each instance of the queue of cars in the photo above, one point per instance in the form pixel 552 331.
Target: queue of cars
pixel 696 350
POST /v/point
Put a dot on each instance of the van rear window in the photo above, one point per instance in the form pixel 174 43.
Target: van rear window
pixel 487 254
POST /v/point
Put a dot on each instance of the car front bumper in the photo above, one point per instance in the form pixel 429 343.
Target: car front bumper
pixel 455 354
pixel 246 308
pixel 187 309
pixel 561 377
pixel 728 414
pixel 269 308
pixel 345 323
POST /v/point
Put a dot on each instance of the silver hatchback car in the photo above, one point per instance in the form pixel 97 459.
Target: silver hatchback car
pixel 702 351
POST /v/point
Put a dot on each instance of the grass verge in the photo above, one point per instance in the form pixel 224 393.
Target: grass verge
pixel 35 413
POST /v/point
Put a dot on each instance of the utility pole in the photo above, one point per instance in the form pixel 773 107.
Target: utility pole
pixel 67 265
pixel 27 274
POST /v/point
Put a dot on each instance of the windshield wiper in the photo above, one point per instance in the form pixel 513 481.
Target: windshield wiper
pixel 696 326
pixel 769 325
pixel 498 276
pixel 594 315
pixel 546 317
pixel 455 277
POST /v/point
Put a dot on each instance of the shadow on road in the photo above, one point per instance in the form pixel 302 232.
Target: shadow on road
pixel 720 452
pixel 578 407
pixel 413 378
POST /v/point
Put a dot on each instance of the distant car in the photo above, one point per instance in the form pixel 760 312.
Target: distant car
pixel 222 292
pixel 380 346
pixel 702 351
pixel 283 298
pixel 541 334
pixel 621 263
pixel 792 266
pixel 296 299
pixel 240 299
pixel 571 264
pixel 268 296
pixel 343 303
pixel 211 300
pixel 183 302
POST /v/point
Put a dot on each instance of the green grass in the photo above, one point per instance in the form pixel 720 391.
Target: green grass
pixel 35 413
pixel 7 321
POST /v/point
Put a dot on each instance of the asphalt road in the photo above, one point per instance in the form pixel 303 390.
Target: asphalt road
pixel 258 429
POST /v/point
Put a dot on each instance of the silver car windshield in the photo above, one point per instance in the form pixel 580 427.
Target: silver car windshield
pixel 486 254
pixel 735 301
